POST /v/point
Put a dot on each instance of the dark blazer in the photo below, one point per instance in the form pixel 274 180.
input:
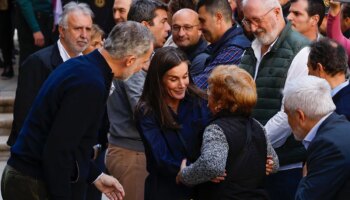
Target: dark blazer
pixel 328 162
pixel 32 74
pixel 342 102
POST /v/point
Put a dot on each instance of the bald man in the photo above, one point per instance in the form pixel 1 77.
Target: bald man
pixel 188 37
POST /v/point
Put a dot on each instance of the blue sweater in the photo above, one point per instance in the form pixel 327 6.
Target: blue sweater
pixel 342 102
pixel 56 139
pixel 165 150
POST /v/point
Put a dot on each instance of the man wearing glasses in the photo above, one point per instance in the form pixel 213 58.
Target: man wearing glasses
pixel 188 37
pixel 227 39
pixel 276 57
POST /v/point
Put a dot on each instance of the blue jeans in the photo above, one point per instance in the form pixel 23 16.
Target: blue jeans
pixel 283 185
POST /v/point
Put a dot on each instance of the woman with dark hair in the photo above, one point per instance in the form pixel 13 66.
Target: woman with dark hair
pixel 233 141
pixel 171 115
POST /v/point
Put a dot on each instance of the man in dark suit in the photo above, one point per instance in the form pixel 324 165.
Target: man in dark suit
pixel 75 27
pixel 325 135
pixel 329 60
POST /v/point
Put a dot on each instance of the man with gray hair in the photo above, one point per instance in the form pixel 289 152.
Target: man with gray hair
pixel 276 57
pixel 74 28
pixel 53 149
pixel 325 135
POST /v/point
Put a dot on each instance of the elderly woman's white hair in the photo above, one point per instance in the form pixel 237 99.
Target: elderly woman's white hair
pixel 310 94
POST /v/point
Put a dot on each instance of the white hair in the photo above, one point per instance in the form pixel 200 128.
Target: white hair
pixel 310 94
pixel 265 4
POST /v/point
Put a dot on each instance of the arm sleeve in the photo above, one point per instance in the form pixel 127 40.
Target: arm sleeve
pixel 212 160
pixel 327 173
pixel 133 88
pixel 156 146
pixel 230 55
pixel 334 32
pixel 81 108
pixel 27 10
pixel 277 128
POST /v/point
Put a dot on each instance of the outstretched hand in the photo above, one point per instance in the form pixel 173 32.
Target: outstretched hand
pixel 110 186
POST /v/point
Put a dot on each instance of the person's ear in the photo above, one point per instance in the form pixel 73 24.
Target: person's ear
pixel 219 17
pixel 315 19
pixel 61 31
pixel 321 70
pixel 130 60
pixel 301 116
pixel 146 24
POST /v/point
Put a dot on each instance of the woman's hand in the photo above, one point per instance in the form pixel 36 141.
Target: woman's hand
pixel 269 165
pixel 179 176
pixel 334 8
pixel 218 179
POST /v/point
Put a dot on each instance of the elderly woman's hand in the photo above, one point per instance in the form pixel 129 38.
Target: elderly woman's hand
pixel 179 176
pixel 219 178
pixel 334 8
pixel 269 165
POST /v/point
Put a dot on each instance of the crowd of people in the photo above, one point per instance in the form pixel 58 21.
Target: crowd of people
pixel 179 99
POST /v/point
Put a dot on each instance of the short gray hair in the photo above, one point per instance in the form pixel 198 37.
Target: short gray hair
pixel 128 38
pixel 74 7
pixel 310 94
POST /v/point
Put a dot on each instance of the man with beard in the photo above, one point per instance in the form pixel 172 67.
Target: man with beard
pixel 74 27
pixel 276 56
pixel 226 37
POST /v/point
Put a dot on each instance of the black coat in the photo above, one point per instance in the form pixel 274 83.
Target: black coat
pixel 32 74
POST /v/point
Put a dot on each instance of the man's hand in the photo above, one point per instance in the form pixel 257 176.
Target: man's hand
pixel 39 39
pixel 110 186
pixel 269 165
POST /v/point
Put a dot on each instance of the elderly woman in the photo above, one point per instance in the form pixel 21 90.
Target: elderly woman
pixel 171 117
pixel 233 141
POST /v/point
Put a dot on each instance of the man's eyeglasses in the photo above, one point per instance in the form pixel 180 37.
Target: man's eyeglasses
pixel 186 28
pixel 255 21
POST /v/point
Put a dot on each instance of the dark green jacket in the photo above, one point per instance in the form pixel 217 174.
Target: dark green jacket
pixel 273 71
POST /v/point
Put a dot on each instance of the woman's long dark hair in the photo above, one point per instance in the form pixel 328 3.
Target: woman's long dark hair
pixel 154 91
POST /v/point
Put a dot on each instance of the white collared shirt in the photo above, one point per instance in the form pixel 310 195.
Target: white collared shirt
pixel 277 128
pixel 312 133
pixel 339 87
pixel 63 53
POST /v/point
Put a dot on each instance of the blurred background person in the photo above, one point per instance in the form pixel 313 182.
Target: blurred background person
pixel 35 17
pixel 6 38
pixel 234 142
pixel 96 39
pixel 120 10
pixel 334 27
pixel 171 116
